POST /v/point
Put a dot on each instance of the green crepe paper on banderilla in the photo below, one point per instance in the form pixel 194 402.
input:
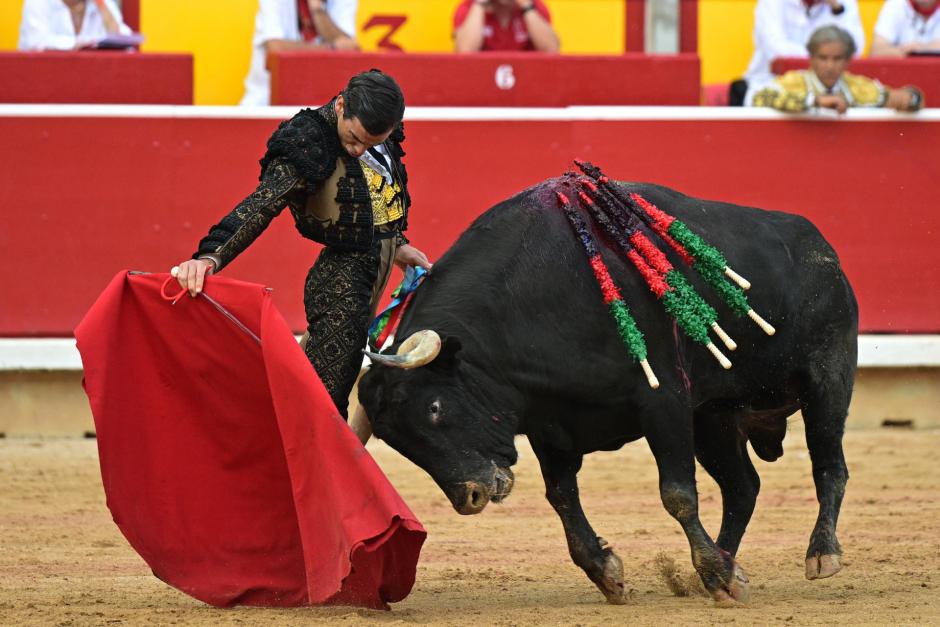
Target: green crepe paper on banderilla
pixel 687 293
pixel 711 265
pixel 686 316
pixel 704 253
pixel 629 332
pixel 730 293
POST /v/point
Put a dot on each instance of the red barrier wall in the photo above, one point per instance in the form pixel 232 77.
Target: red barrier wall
pixel 83 197
pixel 491 79
pixel 96 77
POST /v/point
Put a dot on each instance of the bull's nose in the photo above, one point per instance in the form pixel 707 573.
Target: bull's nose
pixel 472 497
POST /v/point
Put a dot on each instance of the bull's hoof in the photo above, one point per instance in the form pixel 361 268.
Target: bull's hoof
pixel 611 580
pixel 737 592
pixel 822 566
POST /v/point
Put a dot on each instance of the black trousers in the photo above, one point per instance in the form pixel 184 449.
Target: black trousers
pixel 340 296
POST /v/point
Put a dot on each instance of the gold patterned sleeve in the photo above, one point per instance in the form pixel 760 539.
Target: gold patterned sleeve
pixel 781 100
pixel 866 92
pixel 248 220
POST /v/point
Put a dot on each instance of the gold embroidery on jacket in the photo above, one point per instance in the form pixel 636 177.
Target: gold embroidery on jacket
pixel 796 90
pixel 387 205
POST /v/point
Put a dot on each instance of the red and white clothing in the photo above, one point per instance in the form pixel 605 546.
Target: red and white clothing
pixel 901 24
pixel 47 25
pixel 782 28
pixel 280 19
pixel 514 37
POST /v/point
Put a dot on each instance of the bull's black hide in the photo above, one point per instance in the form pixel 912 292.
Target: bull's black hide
pixel 529 348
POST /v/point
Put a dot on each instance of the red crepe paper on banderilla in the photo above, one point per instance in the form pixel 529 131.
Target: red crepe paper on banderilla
pixel 224 461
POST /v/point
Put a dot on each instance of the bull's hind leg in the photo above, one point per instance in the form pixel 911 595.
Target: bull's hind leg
pixel 603 567
pixel 825 407
pixel 722 451
pixel 670 438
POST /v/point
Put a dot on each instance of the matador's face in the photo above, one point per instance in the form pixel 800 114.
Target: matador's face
pixel 354 137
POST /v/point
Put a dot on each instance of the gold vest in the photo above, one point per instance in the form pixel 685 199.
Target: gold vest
pixel 387 205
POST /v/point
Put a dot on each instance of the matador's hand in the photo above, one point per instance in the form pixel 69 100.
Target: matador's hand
pixel 408 255
pixel 192 273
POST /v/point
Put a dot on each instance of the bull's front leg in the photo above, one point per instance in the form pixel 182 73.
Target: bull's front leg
pixel 603 567
pixel 670 439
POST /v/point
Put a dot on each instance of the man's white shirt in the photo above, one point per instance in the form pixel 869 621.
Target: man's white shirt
pixel 278 19
pixel 900 24
pixel 47 25
pixel 782 28
pixel 381 166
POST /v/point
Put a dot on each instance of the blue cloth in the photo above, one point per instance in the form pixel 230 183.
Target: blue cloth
pixel 414 276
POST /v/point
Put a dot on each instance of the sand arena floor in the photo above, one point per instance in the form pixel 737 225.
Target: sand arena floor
pixel 63 562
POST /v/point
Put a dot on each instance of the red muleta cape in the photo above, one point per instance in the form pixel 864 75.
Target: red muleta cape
pixel 224 461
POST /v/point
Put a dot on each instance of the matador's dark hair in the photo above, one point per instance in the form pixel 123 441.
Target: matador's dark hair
pixel 376 99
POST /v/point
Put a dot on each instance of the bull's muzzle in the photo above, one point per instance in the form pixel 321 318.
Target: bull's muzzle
pixel 419 349
pixel 471 497
pixel 504 482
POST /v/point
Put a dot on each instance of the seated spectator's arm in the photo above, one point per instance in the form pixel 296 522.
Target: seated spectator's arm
pixel 468 27
pixel 329 31
pixel 908 98
pixel 921 45
pixel 540 28
pixel 891 23
pixel 279 45
pixel 881 47
pixel 111 20
pixel 111 24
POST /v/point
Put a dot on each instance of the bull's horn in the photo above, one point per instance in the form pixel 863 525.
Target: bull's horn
pixel 419 349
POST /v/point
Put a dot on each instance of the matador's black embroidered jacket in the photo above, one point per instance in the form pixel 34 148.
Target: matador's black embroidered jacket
pixel 307 169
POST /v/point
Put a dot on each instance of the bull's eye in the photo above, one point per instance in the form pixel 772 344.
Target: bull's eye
pixel 434 411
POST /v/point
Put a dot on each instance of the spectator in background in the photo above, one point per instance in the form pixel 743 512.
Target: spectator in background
pixel 827 85
pixel 68 24
pixel 503 25
pixel 783 27
pixel 906 26
pixel 296 25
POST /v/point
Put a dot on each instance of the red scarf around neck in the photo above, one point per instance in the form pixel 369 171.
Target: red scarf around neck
pixel 925 11
pixel 308 29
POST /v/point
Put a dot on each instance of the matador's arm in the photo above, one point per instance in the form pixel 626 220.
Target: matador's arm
pixel 245 223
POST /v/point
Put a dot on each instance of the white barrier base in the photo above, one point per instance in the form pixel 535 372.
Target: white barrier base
pixel 874 351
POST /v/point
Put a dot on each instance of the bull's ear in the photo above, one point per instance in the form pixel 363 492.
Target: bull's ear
pixel 447 358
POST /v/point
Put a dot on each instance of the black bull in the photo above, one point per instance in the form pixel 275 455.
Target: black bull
pixel 529 348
